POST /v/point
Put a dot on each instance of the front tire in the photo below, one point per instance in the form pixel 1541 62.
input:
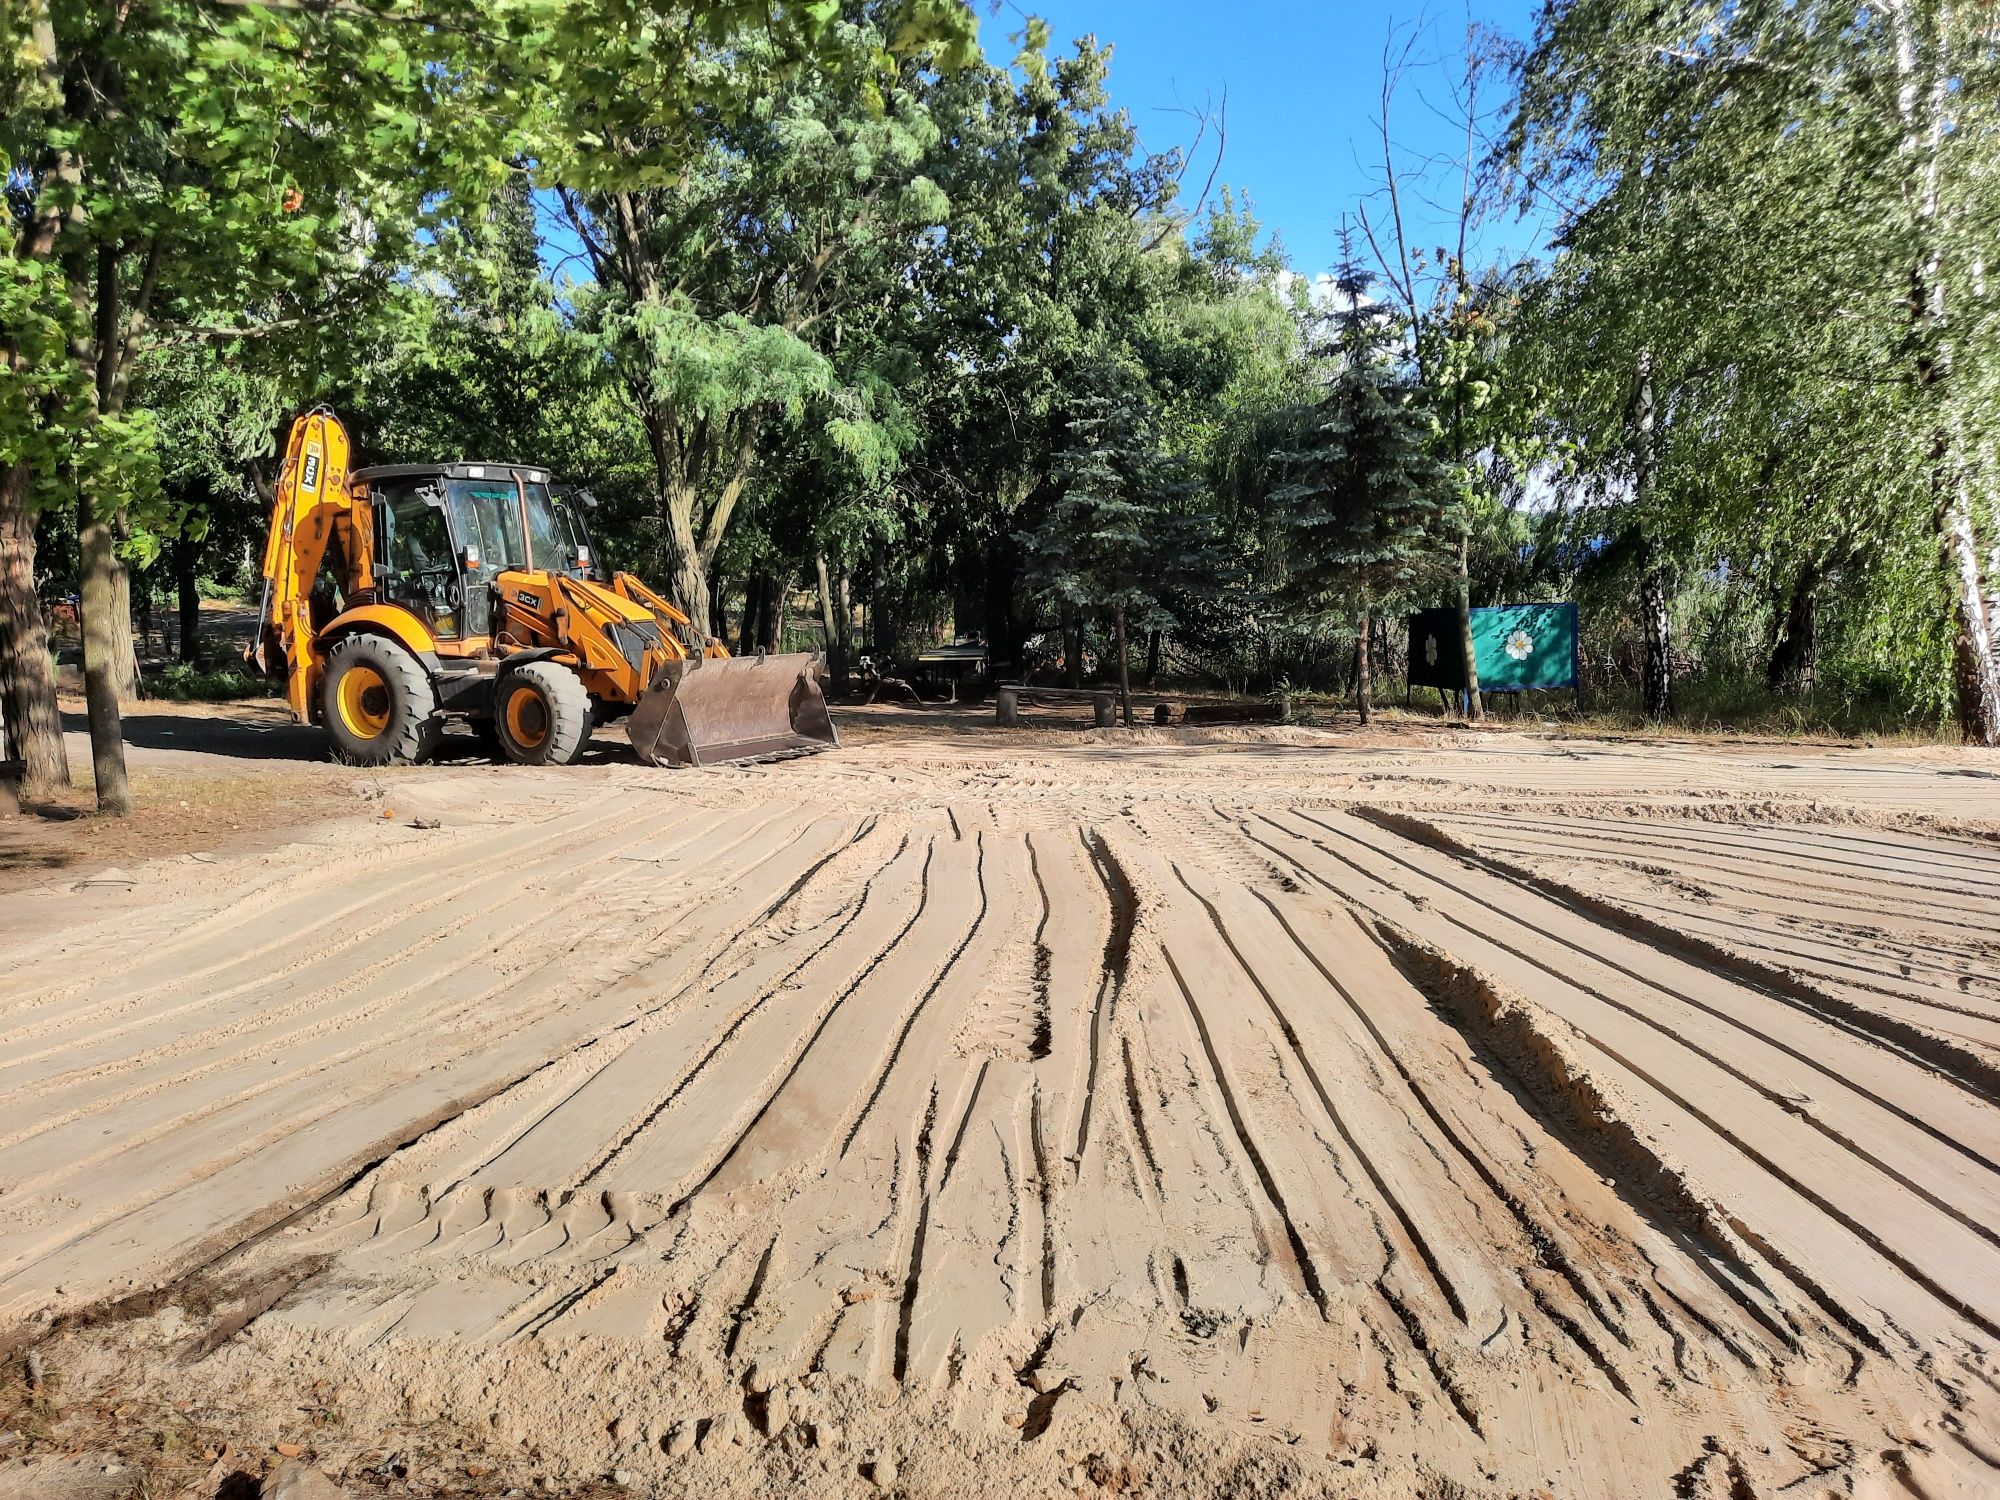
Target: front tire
pixel 377 703
pixel 541 714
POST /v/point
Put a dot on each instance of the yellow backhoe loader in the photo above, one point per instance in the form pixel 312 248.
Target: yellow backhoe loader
pixel 401 597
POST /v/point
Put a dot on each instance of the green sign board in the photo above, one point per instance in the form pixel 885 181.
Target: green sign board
pixel 1516 646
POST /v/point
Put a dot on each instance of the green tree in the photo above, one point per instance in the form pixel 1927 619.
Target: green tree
pixel 186 170
pixel 1365 506
pixel 721 284
pixel 1109 543
pixel 1771 220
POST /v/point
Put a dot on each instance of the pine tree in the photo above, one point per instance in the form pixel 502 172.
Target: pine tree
pixel 1363 504
pixel 1111 541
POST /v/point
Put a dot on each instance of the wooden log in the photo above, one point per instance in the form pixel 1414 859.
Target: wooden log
pixel 1007 706
pixel 1105 707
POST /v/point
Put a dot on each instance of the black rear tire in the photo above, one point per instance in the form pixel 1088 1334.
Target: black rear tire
pixel 377 704
pixel 541 714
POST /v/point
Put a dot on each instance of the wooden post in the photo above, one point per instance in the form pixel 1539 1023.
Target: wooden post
pixel 1104 706
pixel 1007 706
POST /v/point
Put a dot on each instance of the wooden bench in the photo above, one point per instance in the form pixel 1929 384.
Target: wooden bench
pixel 1007 702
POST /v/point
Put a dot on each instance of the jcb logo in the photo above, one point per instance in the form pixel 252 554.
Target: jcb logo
pixel 527 599
pixel 309 475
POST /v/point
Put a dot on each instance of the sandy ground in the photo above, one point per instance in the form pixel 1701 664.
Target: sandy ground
pixel 964 1113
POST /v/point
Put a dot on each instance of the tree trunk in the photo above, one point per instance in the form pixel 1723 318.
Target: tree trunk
pixel 1794 662
pixel 687 576
pixel 1003 572
pixel 846 620
pixel 1124 669
pixel 1923 92
pixel 835 638
pixel 1364 675
pixel 1072 631
pixel 882 608
pixel 771 621
pixel 718 604
pixel 102 628
pixel 1474 707
pixel 1152 659
pixel 747 629
pixel 27 680
pixel 1975 669
pixel 1656 675
pixel 188 597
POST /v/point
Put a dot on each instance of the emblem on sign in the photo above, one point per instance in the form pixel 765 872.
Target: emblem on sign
pixel 1430 650
pixel 1519 644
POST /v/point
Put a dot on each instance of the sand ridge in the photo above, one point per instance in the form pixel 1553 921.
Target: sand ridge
pixel 1248 1117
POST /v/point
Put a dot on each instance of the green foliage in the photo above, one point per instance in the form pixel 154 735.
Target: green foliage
pixel 1110 542
pixel 1363 504
pixel 784 282
pixel 1782 212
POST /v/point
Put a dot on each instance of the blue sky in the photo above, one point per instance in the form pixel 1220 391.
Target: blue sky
pixel 1304 81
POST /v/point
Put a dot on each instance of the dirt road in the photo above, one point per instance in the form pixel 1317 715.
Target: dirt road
pixel 1464 1115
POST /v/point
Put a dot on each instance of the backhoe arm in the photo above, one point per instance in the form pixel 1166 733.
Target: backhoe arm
pixel 312 508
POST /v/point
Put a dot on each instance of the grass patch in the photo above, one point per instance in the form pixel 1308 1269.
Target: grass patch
pixel 184 682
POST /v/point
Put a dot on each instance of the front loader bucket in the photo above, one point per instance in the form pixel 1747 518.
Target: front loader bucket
pixel 725 710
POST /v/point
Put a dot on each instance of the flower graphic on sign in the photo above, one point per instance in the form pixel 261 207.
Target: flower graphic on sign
pixel 1519 644
pixel 1431 650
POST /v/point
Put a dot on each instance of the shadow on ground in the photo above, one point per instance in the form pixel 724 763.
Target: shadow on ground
pixel 244 735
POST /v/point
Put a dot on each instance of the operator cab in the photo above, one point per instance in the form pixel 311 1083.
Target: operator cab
pixel 445 532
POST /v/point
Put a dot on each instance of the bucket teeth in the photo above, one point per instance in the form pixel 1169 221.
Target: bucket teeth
pixel 730 710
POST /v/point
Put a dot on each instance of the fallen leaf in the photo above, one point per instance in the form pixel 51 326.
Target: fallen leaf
pixel 289 1450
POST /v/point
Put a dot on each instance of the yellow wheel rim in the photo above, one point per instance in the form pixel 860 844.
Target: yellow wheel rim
pixel 364 701
pixel 527 718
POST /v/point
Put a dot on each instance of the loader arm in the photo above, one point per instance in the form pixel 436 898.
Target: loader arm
pixel 670 616
pixel 312 511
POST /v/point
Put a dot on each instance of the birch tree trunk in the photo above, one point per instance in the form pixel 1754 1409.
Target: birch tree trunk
pixel 1922 35
pixel 846 619
pixel 1656 664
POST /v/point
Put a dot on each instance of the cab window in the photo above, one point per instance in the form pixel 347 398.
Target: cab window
pixel 423 574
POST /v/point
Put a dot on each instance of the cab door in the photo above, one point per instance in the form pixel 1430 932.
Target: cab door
pixel 419 567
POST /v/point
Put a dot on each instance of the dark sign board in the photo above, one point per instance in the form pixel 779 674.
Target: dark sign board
pixel 1516 646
